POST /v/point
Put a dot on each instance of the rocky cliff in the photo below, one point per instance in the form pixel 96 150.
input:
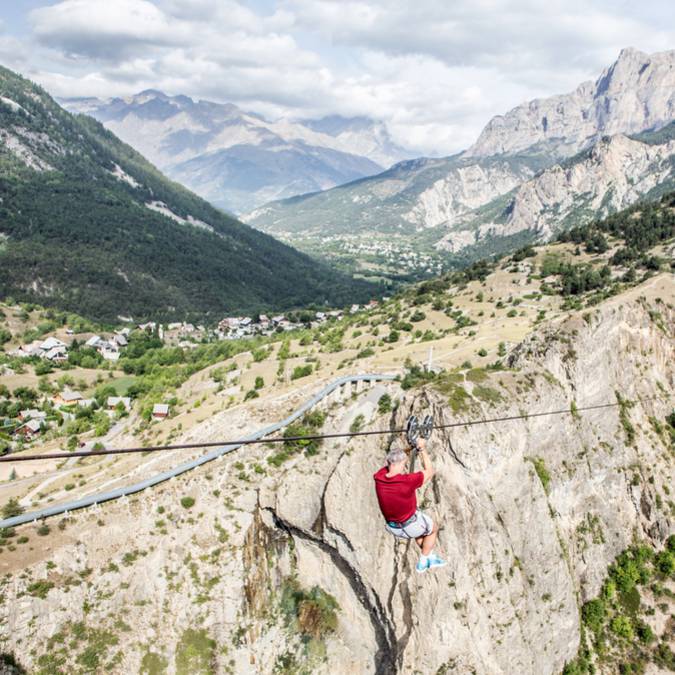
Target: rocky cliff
pixel 284 566
pixel 636 92
pixel 613 174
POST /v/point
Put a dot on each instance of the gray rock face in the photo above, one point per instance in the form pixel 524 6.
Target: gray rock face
pixel 523 553
pixel 239 160
pixel 637 92
pixel 615 173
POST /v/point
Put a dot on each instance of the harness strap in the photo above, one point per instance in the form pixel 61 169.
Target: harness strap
pixel 400 526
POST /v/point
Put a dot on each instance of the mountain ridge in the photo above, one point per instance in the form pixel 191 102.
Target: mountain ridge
pixel 238 159
pixel 90 226
pixel 449 205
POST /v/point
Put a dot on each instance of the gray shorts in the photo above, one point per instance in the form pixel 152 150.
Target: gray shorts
pixel 420 527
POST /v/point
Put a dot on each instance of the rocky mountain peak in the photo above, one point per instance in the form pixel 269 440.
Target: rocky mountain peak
pixel 635 93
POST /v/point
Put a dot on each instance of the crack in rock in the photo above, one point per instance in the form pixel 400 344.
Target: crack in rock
pixel 385 634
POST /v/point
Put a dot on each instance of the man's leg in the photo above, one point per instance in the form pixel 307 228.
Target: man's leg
pixel 428 542
pixel 419 541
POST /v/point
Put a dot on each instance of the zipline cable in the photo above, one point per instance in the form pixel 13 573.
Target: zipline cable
pixel 312 437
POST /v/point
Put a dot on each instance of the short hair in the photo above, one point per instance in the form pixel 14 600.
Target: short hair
pixel 396 454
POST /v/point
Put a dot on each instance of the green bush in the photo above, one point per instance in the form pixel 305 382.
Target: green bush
pixel 357 424
pixel 195 653
pixel 301 371
pixel 384 404
pixel 644 633
pixel 541 471
pixel 365 353
pixel 313 613
pixel 12 508
pixel 187 502
pixel 40 589
pixel 593 614
pixel 311 425
pixel 665 562
pixel 621 626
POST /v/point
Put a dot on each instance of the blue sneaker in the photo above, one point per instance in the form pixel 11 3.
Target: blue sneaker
pixel 422 566
pixel 435 561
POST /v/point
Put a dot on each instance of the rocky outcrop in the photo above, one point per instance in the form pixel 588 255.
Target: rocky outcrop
pixel 464 190
pixel 532 512
pixel 636 92
pixel 615 173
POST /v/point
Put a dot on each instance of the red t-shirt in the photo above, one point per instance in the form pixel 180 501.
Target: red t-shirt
pixel 396 494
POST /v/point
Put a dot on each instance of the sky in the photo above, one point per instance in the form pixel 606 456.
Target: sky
pixel 435 71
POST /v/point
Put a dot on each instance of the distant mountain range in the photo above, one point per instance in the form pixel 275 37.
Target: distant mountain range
pixel 545 165
pixel 88 225
pixel 238 160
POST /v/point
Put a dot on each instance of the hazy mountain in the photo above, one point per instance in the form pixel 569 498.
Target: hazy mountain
pixel 87 224
pixel 495 189
pixel 238 160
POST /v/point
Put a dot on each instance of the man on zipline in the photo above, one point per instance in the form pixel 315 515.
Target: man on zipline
pixel 396 495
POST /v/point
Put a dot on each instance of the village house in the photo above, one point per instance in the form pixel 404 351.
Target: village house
pixel 114 401
pixel 56 354
pixel 66 397
pixel 52 343
pixel 160 411
pixel 110 351
pixel 32 414
pixel 93 341
pixel 30 429
pixel 28 350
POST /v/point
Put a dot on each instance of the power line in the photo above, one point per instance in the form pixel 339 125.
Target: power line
pixel 311 437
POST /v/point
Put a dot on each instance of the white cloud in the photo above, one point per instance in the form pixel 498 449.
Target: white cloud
pixel 435 71
pixel 100 29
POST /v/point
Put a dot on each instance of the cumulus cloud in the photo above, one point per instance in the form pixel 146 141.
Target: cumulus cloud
pixel 435 71
pixel 99 29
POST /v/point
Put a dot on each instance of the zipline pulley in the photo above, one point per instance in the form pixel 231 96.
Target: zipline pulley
pixel 414 430
pixel 427 427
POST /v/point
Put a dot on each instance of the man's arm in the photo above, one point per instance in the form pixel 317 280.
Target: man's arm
pixel 427 469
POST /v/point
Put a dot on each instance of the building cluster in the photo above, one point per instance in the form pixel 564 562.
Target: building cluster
pixel 392 253
pixel 33 421
pixel 181 334
pixel 236 327
pixel 56 350
pixel 109 348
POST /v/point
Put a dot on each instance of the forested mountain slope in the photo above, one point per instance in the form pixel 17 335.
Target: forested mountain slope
pixel 87 224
